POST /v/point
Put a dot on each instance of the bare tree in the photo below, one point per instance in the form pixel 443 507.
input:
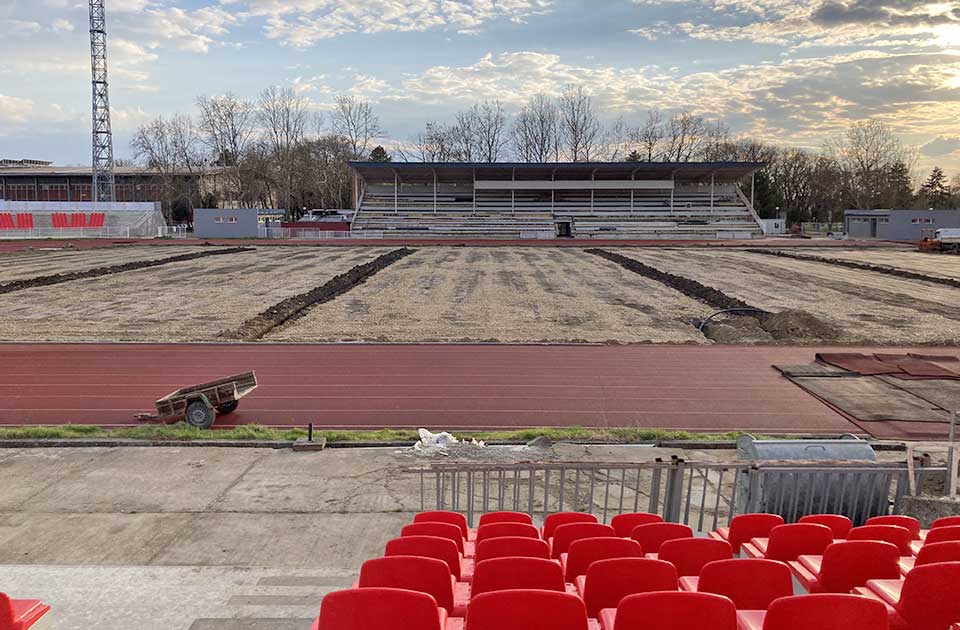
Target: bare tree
pixel 534 134
pixel 864 155
pixel 616 142
pixel 650 136
pixel 173 149
pixel 685 137
pixel 580 129
pixel 479 133
pixel 284 115
pixel 355 120
pixel 228 125
pixel 433 144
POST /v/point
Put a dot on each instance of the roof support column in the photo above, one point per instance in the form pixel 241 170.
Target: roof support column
pixel 434 191
pixel 513 192
pixel 673 187
pixel 593 176
pixel 633 176
pixel 396 194
pixel 553 190
pixel 752 190
pixel 711 190
pixel 474 191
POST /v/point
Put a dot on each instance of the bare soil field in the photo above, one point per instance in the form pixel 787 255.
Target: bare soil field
pixel 47 262
pixel 937 265
pixel 863 306
pixel 507 295
pixel 181 301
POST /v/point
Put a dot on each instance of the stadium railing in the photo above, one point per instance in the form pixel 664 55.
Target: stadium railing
pixel 66 233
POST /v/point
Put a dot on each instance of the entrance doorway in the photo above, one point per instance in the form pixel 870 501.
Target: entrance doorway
pixel 564 229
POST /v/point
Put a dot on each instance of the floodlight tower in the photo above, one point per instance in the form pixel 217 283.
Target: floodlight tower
pixel 103 187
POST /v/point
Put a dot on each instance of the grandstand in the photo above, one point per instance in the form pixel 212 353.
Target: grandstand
pixel 580 200
pixel 48 219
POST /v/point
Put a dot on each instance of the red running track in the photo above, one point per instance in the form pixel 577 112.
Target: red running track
pixel 697 388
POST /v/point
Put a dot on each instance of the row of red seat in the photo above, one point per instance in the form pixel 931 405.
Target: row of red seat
pixel 575 556
pixel 20 614
pixel 77 220
pixel 24 221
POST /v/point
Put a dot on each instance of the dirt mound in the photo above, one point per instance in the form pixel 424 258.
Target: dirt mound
pixel 795 325
pixel 736 330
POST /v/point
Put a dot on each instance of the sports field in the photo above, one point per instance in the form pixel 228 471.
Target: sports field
pixel 475 294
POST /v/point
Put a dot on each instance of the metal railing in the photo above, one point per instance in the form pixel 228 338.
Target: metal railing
pixel 702 495
pixel 173 231
pixel 315 234
pixel 51 232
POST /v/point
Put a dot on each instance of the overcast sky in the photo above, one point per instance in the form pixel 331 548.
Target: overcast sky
pixel 787 71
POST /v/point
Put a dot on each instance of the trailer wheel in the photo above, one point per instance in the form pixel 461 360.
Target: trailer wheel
pixel 228 407
pixel 199 415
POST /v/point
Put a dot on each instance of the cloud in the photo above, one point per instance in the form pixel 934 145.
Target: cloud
pixel 837 23
pixel 190 31
pixel 941 145
pixel 303 23
pixel 14 110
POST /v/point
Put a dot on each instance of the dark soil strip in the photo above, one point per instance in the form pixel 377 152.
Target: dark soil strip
pixel 839 262
pixel 43 281
pixel 690 288
pixel 299 305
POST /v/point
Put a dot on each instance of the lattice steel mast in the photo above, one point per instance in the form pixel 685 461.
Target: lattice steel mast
pixel 103 187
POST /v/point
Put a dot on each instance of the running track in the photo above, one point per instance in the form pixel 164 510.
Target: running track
pixel 697 388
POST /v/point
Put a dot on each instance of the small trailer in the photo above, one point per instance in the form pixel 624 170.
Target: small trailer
pixel 200 404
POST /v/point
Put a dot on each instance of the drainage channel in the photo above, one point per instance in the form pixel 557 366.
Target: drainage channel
pixel 299 305
pixel 690 288
pixel 850 264
pixel 59 278
pixel 748 323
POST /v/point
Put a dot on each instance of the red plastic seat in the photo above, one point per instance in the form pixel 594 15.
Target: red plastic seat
pixel 584 552
pixel 526 610
pixel 6 221
pixel 443 530
pixel 787 542
pixel 840 525
pixel 499 530
pixel 505 517
pixel 425 575
pixel 945 521
pixel 942 534
pixel 427 547
pixel 745 527
pixel 930 554
pixel 817 612
pixel 444 516
pixel 97 219
pixel 512 546
pixel 928 598
pixel 501 574
pixel 909 523
pixel 379 609
pixel 689 555
pixel 893 534
pixel 750 584
pixel 20 614
pixel 24 221
pixel 671 611
pixel 847 565
pixel 623 524
pixel 652 535
pixel 609 581
pixel 566 534
pixel 554 521
pixel 78 220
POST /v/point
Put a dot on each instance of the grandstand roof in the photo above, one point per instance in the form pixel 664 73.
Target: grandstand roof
pixel 72 171
pixel 457 171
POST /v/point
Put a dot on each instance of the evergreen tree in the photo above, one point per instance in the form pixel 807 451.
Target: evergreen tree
pixel 634 156
pixel 935 191
pixel 379 154
pixel 899 190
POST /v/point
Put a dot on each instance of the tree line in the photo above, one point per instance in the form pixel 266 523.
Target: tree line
pixel 277 151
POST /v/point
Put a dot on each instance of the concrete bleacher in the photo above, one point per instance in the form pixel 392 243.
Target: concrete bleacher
pixel 453 211
pixel 24 219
